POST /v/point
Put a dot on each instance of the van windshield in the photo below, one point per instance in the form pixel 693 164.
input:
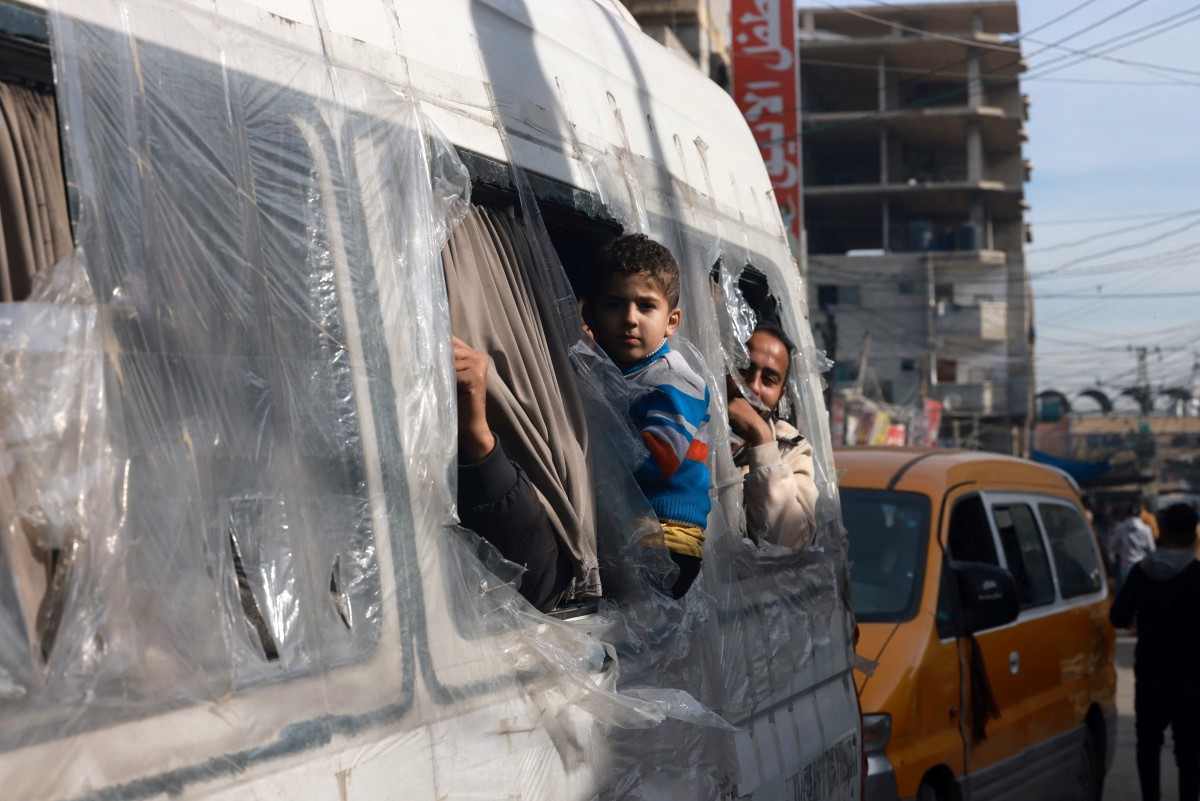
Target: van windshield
pixel 888 532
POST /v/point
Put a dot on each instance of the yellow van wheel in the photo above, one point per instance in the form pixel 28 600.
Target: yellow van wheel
pixel 939 785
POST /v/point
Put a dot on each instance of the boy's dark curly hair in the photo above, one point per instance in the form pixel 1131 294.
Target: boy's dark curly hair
pixel 630 254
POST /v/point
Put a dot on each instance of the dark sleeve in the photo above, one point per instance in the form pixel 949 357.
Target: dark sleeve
pixel 497 501
pixel 1124 608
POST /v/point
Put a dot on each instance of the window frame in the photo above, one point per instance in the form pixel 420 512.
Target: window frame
pixel 1034 500
pixel 1030 504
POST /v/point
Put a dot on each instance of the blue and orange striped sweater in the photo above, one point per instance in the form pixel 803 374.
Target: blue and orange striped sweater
pixel 670 410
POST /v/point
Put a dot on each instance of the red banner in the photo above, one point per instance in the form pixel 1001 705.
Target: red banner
pixel 896 435
pixel 766 86
pixel 924 431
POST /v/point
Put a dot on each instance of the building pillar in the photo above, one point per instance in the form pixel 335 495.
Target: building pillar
pixel 882 83
pixel 974 80
pixel 974 151
pixel 885 223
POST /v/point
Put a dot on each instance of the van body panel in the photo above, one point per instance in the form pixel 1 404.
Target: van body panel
pixel 872 638
pixel 448 701
pixel 1035 774
pixel 920 692
pixel 1048 670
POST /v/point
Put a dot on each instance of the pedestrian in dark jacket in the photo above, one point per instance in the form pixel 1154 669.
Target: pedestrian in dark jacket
pixel 1163 593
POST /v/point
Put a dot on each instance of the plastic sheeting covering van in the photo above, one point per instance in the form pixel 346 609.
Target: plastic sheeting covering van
pixel 233 567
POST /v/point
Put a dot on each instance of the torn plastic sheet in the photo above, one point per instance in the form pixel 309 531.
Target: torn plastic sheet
pixel 227 431
pixel 757 611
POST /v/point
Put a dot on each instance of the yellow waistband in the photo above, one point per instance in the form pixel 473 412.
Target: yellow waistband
pixel 683 539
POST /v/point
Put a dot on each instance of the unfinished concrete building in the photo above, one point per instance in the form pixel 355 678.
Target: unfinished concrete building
pixel 913 123
pixel 694 29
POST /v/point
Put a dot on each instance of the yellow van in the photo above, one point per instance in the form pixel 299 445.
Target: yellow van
pixel 980 592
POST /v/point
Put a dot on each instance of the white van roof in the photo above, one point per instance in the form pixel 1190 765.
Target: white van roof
pixel 624 92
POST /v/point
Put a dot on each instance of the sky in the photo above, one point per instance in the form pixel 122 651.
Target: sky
pixel 1115 191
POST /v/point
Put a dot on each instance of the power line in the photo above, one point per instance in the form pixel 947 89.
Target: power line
pixel 1119 249
pixel 1097 302
pixel 1108 234
pixel 1008 47
pixel 1126 296
pixel 876 115
pixel 1180 257
pixel 1060 17
pixel 1114 82
pixel 1164 25
pixel 1083 220
pixel 1183 342
pixel 1151 334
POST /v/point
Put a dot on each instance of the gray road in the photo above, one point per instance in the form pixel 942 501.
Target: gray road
pixel 1122 783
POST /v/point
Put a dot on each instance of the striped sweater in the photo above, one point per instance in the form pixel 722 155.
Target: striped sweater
pixel 670 410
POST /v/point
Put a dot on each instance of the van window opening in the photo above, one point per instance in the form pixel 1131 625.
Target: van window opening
pixel 577 222
pixel 888 534
pixel 1076 560
pixel 1024 553
pixel 970 534
pixel 756 290
pixel 500 305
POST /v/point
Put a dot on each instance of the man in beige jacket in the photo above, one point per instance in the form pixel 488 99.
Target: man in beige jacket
pixel 779 494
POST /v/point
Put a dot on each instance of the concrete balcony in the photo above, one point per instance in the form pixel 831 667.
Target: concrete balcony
pixel 987 320
pixel 965 398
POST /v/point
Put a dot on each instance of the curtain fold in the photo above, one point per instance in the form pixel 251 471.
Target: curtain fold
pixel 35 233
pixel 35 230
pixel 533 402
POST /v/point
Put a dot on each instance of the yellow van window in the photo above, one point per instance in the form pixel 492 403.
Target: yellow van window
pixel 970 534
pixel 1025 553
pixel 1075 558
pixel 888 533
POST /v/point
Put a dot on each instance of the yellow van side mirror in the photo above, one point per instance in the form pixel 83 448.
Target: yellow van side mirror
pixel 987 596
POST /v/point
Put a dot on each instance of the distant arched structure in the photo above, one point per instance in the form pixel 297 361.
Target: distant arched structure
pixel 1099 397
pixel 1143 396
pixel 1177 398
pixel 1045 402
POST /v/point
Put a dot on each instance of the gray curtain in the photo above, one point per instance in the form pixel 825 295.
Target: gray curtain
pixel 35 230
pixel 533 403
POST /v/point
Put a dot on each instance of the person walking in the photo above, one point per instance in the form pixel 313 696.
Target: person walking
pixel 1163 592
pixel 1134 542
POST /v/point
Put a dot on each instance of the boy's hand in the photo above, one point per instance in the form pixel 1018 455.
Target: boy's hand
pixel 744 419
pixel 475 438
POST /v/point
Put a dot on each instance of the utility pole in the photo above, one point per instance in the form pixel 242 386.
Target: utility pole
pixel 862 362
pixel 1141 391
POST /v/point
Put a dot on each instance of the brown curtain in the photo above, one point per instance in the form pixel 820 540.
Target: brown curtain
pixel 533 403
pixel 35 230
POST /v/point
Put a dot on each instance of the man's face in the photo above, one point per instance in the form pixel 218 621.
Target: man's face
pixel 631 317
pixel 768 368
